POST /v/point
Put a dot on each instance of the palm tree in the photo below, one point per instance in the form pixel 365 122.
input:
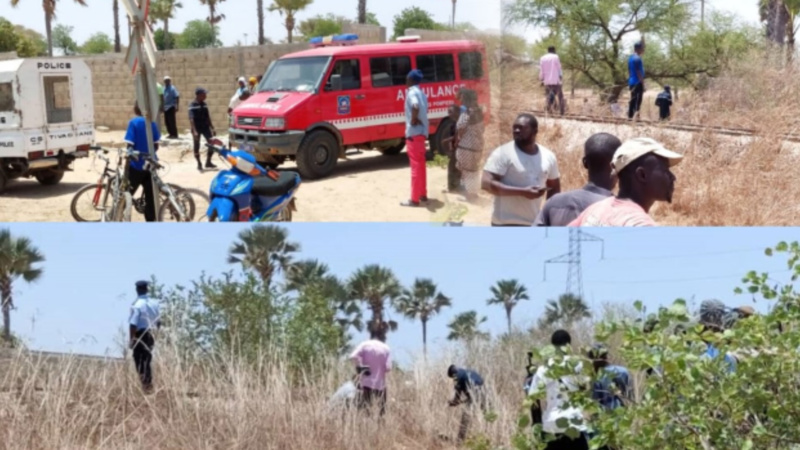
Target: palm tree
pixel 260 6
pixel 17 259
pixel 464 327
pixel 362 11
pixel 375 286
pixel 265 250
pixel 508 293
pixel 289 8
pixel 117 41
pixel 307 275
pixel 49 7
pixel 422 301
pixel 164 10
pixel 568 309
pixel 213 17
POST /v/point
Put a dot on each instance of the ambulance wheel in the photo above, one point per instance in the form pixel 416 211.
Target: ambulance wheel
pixel 442 133
pixel 394 150
pixel 50 177
pixel 317 155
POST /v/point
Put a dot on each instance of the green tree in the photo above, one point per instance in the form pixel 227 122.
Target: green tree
pixel 164 11
pixel 595 38
pixel 49 7
pixel 466 327
pixel 413 17
pixel 372 19
pixel 19 259
pixel 160 39
pixel 213 18
pixel 30 43
pixel 568 309
pixel 62 40
pixel 422 301
pixel 508 293
pixel 265 250
pixel 8 36
pixel 289 9
pixel 375 286
pixel 97 43
pixel 320 25
pixel 198 34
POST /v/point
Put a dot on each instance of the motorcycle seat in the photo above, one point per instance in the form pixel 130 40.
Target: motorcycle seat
pixel 267 187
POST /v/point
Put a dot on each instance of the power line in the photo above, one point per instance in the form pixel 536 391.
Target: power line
pixel 686 255
pixel 678 280
pixel 573 259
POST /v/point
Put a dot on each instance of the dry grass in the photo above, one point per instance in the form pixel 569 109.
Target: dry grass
pixel 723 181
pixel 70 403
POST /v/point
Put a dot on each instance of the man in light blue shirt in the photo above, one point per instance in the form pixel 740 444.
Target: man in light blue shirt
pixel 417 127
pixel 171 101
pixel 145 319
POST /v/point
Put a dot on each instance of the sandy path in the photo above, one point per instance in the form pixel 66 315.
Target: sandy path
pixel 367 188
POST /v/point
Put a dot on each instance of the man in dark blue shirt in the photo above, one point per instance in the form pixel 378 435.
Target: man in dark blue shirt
pixel 468 390
pixel 664 103
pixel 636 79
pixel 200 119
pixel 136 138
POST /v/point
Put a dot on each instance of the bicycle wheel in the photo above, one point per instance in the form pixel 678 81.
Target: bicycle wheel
pixel 122 210
pixel 169 211
pixel 188 202
pixel 87 203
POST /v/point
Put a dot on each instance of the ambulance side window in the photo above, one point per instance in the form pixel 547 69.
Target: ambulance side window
pixel 6 98
pixel 58 99
pixel 350 71
pixel 386 72
pixel 436 68
pixel 471 65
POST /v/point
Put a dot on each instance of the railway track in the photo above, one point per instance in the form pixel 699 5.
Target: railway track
pixel 734 132
pixel 10 354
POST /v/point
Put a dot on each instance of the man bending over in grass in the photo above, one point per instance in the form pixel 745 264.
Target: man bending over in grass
pixel 376 356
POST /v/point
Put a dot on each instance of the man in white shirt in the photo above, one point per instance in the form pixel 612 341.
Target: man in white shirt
pixel 551 76
pixel 144 321
pixel 376 356
pixel 519 174
pixel 556 405
pixel 241 94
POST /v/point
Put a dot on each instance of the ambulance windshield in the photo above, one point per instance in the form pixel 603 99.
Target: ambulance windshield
pixel 294 74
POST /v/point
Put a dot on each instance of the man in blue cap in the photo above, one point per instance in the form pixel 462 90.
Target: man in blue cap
pixel 145 319
pixel 416 134
pixel 200 118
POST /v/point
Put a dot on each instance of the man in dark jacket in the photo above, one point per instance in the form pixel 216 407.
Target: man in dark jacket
pixel 664 103
pixel 468 386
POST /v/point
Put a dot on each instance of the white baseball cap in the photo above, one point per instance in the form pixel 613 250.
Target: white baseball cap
pixel 633 149
pixel 167 77
pixel 242 80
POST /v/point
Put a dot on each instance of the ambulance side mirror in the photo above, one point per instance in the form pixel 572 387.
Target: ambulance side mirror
pixel 335 83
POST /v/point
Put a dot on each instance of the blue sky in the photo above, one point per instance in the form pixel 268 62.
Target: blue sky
pixel 240 18
pixel 83 299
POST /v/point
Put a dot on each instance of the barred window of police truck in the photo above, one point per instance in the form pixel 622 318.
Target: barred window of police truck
pixel 6 97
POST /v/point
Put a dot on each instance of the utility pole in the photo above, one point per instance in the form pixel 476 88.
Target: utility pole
pixel 573 259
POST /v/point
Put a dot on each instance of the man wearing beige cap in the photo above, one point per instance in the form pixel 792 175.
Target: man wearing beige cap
pixel 643 167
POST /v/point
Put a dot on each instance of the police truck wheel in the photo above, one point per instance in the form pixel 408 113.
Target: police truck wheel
pixel 317 155
pixel 394 150
pixel 50 177
pixel 442 133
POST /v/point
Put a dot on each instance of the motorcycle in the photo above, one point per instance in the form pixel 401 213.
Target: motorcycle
pixel 247 192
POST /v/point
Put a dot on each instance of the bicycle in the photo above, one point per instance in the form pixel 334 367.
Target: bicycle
pixel 176 202
pixel 113 183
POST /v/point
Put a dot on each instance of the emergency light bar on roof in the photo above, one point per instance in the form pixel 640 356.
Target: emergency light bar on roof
pixel 330 41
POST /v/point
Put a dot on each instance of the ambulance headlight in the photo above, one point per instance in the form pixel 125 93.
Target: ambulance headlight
pixel 275 122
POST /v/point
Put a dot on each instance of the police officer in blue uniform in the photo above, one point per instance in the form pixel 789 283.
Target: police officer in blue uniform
pixel 144 321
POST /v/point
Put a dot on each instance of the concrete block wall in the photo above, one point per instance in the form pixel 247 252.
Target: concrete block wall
pixel 214 69
pixel 431 35
pixel 367 34
pixel 5 56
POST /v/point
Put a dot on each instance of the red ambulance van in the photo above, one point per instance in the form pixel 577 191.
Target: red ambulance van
pixel 314 105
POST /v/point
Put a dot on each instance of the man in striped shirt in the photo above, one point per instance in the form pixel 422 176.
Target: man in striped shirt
pixel 643 167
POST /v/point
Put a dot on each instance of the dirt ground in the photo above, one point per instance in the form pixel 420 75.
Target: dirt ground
pixel 366 188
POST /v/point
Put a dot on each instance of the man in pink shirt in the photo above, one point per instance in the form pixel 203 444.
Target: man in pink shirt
pixel 375 355
pixel 643 167
pixel 550 75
